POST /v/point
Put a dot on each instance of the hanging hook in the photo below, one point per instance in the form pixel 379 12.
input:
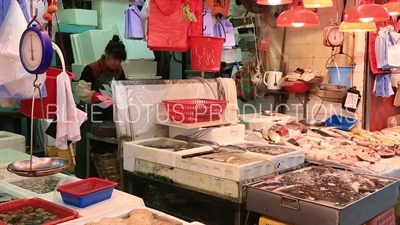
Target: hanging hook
pixel 35 85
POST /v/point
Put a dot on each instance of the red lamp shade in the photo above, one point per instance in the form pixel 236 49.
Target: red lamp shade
pixel 393 7
pixel 273 2
pixel 366 12
pixel 298 16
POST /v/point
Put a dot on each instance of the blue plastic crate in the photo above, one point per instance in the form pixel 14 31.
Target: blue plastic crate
pixel 87 200
pixel 341 122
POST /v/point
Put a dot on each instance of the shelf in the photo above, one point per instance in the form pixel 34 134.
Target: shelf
pixel 195 125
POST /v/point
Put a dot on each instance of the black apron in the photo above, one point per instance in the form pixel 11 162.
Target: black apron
pixel 96 113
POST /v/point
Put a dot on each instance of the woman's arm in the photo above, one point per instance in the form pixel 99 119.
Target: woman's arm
pixel 84 87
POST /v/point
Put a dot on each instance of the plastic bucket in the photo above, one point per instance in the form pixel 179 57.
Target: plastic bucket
pixel 206 52
pixel 345 73
pixel 49 102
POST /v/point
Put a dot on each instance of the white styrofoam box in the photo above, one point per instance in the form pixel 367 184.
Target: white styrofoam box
pixel 140 68
pixel 136 49
pixel 123 212
pixel 118 199
pixel 222 135
pixel 145 78
pixel 108 24
pixel 12 141
pixel 93 43
pixel 77 71
pixel 5 188
pixel 194 180
pixel 256 121
pixel 283 161
pixel 76 50
pixel 27 193
pixel 110 9
pixel 82 17
pixel 255 166
pixel 137 150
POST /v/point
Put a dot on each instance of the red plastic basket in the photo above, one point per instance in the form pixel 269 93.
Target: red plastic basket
pixel 64 214
pixel 194 110
pixel 206 53
pixel 49 103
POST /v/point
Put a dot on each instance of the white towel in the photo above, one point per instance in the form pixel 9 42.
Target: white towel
pixel 231 111
pixel 69 118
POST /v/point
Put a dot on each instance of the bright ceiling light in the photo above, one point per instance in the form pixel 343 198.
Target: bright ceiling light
pixel 298 17
pixel 366 12
pixel 357 27
pixel 273 2
pixel 317 3
pixel 393 7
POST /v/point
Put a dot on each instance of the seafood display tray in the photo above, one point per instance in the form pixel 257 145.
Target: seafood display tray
pixel 122 212
pixel 62 214
pixel 320 207
pixel 288 158
pixel 11 184
pixel 161 150
pixel 197 181
pixel 5 197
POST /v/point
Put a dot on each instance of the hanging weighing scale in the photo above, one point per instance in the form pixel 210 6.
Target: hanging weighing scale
pixel 36 53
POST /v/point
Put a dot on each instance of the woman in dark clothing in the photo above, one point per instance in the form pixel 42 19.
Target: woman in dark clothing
pixel 94 94
pixel 92 89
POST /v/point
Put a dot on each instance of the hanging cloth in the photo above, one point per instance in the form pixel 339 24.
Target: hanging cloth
pixel 383 86
pixel 69 118
pixel 133 22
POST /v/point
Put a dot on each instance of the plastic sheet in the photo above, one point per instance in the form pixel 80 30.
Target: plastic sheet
pixel 23 88
pixel 5 6
pixel 145 13
pixel 138 105
pixel 11 31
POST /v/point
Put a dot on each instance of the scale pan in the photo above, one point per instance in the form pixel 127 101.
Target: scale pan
pixel 40 166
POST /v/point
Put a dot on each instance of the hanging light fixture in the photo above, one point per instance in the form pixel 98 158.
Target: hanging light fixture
pixel 273 2
pixel 298 16
pixel 317 3
pixel 357 27
pixel 393 7
pixel 366 12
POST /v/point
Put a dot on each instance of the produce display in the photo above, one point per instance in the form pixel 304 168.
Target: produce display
pixel 39 185
pixel 137 217
pixel 330 186
pixel 27 216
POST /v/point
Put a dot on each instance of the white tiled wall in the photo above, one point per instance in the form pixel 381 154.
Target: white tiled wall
pixel 304 49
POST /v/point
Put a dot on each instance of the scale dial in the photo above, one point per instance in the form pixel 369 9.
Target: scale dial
pixel 35 50
pixel 335 37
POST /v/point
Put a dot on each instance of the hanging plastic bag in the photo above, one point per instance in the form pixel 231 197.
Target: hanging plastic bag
pixel 229 34
pixel 168 30
pixel 133 23
pixel 208 22
pixel 393 49
pixel 144 16
pixel 11 31
pixel 23 88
